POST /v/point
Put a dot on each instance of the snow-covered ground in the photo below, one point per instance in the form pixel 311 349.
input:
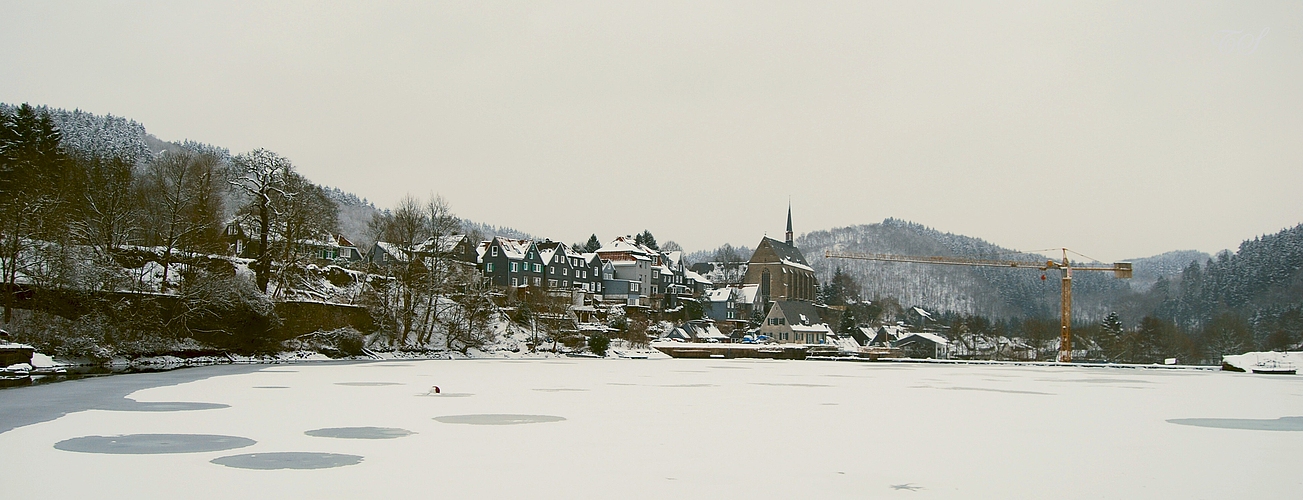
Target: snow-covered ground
pixel 659 428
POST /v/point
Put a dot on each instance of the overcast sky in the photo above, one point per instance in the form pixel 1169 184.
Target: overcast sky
pixel 1115 129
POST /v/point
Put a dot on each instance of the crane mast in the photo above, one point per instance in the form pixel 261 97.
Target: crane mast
pixel 1065 267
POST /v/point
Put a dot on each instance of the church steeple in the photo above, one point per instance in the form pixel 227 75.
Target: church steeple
pixel 789 222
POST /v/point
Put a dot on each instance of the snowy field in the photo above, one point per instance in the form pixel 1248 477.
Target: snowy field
pixel 618 428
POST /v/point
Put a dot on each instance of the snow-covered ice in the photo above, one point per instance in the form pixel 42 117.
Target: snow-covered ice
pixel 659 428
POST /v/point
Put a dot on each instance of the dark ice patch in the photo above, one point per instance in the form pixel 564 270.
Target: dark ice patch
pixel 152 444
pixel 133 405
pixel 360 432
pixel 1250 424
pixel 271 387
pixel 288 460
pixel 498 419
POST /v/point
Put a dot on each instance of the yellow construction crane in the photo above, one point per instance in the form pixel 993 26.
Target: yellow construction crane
pixel 1119 269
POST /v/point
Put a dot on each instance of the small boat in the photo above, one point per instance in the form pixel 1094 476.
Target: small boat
pixel 1273 367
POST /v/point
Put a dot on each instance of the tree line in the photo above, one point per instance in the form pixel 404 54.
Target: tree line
pixel 76 221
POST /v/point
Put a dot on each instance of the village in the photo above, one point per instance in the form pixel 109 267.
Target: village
pixel 771 298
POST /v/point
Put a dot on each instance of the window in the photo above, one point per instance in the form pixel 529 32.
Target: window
pixel 538 281
pixel 551 283
pixel 551 269
pixel 538 268
pixel 565 272
pixel 488 267
pixel 565 283
pixel 514 282
pixel 653 289
pixel 513 267
pixel 635 286
pixel 495 251
pixel 599 286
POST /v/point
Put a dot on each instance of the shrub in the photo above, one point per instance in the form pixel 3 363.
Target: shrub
pixel 599 343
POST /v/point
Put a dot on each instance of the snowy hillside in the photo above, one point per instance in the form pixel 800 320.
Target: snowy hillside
pixel 992 292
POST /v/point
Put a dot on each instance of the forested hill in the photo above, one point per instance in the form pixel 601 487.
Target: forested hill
pixel 991 292
pixel 89 134
pixel 1259 286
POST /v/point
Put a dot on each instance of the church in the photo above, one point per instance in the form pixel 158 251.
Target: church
pixel 780 270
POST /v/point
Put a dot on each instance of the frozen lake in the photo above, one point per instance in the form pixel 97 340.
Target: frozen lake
pixel 588 428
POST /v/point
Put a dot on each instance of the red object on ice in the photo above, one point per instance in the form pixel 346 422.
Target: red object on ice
pixel 1042 277
pixel 436 389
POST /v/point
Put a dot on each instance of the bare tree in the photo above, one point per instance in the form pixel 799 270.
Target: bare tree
pixel 470 323
pixel 260 175
pixel 304 215
pixel 182 203
pixel 731 261
pixel 110 210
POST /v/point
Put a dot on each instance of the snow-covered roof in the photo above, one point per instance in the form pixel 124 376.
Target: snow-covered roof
pixel 513 248
pixel 393 250
pixel 797 265
pixel 815 328
pixel 932 337
pixel 696 277
pixel 846 343
pixel 439 243
pixel 720 294
pixel 624 244
pixel 748 293
pixel 702 330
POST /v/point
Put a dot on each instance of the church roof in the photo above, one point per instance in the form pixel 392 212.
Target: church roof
pixel 785 252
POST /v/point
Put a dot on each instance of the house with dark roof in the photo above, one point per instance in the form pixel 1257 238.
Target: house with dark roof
pixel 511 262
pixel 795 322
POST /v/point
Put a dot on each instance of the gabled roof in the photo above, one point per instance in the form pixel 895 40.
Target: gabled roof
pixel 748 293
pixel 798 312
pixel 689 275
pixel 701 330
pixel 626 244
pixel 549 249
pixel 514 249
pixel 393 250
pixel 439 243
pixel 721 294
pixel 931 337
pixel 343 242
pixel 789 254
pixel 673 259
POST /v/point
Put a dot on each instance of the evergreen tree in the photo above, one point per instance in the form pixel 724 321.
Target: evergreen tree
pixel 593 245
pixel 1111 337
pixel 646 239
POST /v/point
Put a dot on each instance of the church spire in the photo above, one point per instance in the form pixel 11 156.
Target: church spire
pixel 789 222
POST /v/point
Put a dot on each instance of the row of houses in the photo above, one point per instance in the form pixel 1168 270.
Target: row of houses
pixel 771 295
